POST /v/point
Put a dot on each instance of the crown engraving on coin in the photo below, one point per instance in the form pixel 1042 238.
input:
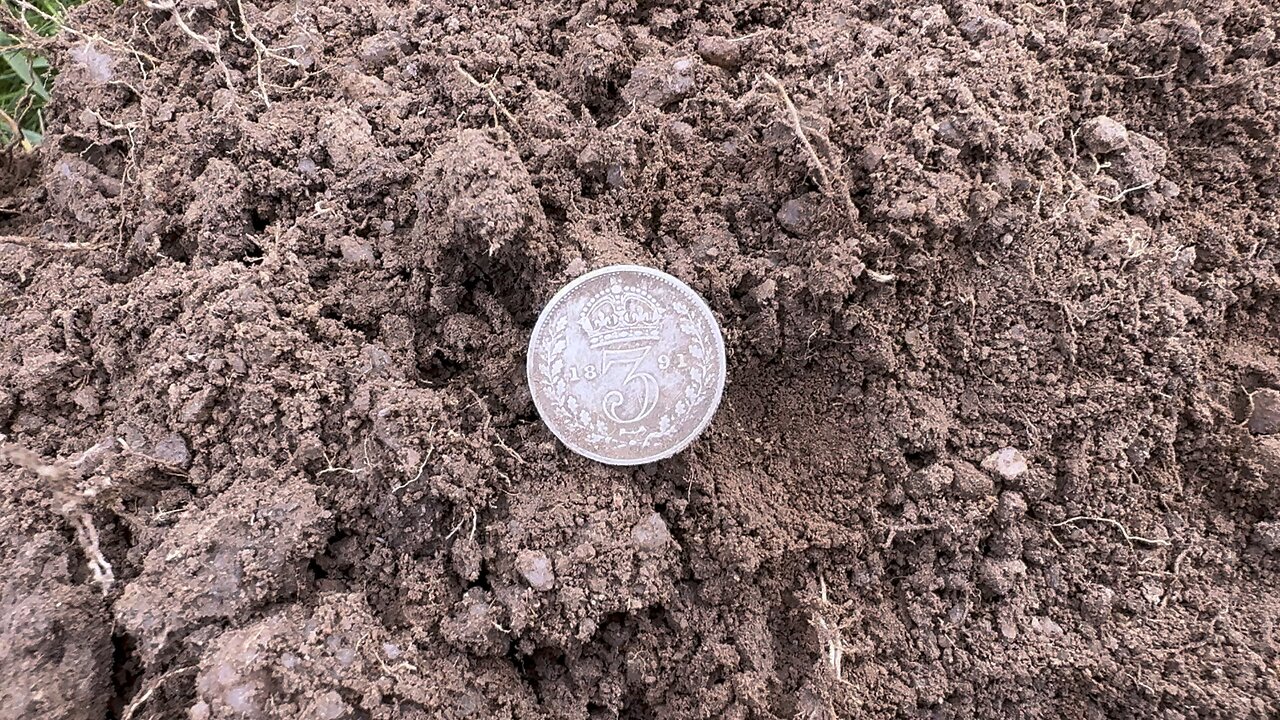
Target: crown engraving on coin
pixel 626 365
pixel 621 314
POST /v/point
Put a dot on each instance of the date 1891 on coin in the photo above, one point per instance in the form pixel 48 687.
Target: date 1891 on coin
pixel 626 365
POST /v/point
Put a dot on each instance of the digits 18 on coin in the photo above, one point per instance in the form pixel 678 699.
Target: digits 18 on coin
pixel 626 365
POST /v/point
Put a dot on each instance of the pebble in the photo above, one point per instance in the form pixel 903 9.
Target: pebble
pixel 651 533
pixel 1264 417
pixel 797 214
pixel 99 67
pixel 356 251
pixel 172 449
pixel 607 41
pixel 535 566
pixel 380 50
pixel 330 706
pixel 1046 626
pixel 1007 462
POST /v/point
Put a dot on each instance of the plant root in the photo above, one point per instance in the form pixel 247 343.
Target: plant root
pixel 833 184
pixel 487 87
pixel 212 46
pixel 71 503
pixel 1128 537
pixel 141 699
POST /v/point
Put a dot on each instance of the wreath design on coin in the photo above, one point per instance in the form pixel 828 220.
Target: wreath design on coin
pixel 596 429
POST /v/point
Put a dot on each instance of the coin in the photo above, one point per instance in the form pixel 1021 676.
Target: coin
pixel 626 365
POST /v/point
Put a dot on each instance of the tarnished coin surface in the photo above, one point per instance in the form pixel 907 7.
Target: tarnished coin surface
pixel 626 365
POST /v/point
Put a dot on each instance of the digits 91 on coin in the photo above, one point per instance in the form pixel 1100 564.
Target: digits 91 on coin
pixel 626 365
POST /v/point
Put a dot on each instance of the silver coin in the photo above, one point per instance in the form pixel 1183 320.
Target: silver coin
pixel 626 365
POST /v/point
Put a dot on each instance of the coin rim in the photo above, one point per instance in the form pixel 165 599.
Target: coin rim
pixel 712 407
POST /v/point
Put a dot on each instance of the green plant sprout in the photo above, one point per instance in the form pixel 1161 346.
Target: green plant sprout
pixel 25 74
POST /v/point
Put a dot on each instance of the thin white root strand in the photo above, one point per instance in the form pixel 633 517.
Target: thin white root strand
pixel 487 87
pixel 834 188
pixel 87 534
pixel 830 634
pixel 213 46
pixel 1130 538
pixel 138 701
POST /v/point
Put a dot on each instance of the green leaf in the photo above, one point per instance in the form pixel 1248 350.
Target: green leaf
pixel 30 72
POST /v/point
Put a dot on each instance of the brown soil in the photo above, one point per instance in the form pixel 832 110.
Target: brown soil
pixel 267 286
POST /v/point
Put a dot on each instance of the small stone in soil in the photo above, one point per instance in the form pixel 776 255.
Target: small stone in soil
pixel 797 214
pixel 1008 463
pixel 356 251
pixel 1264 419
pixel 330 706
pixel 99 67
pixel 535 566
pixel 1104 135
pixel 651 533
pixel 172 449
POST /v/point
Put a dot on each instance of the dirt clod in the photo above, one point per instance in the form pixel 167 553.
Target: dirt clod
pixel 1267 535
pixel 660 82
pixel 245 550
pixel 720 51
pixel 55 646
pixel 1104 135
pixel 970 482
